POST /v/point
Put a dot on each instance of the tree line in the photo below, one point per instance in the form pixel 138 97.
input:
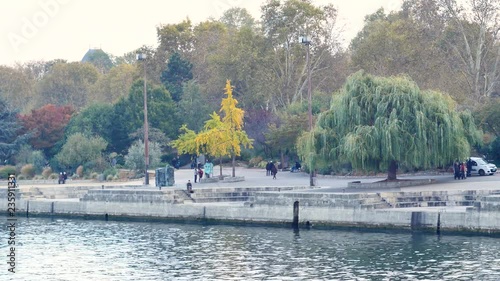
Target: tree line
pixel 442 45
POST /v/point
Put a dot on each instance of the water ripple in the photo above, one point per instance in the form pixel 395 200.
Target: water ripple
pixel 97 250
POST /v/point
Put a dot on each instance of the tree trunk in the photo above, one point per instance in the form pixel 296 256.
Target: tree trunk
pixel 282 156
pixel 234 165
pixel 220 165
pixel 393 168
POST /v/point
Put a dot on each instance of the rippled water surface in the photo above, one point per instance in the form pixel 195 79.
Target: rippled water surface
pixel 97 250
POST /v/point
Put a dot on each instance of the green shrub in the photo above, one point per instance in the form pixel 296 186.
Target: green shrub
pixel 262 164
pixel 26 155
pixel 94 175
pixel 53 176
pixel 495 150
pixel 21 177
pixel 115 178
pixel 110 172
pixel 80 149
pixel 135 157
pixel 28 171
pixel 245 155
pixel 38 161
pixel 46 172
pixel 5 171
pixel 109 178
pixel 254 162
pixel 23 155
pixel 97 165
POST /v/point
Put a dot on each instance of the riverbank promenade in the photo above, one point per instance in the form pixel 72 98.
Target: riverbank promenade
pixel 254 177
pixel 438 202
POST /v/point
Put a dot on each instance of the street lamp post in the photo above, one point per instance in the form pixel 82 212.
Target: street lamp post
pixel 306 41
pixel 142 57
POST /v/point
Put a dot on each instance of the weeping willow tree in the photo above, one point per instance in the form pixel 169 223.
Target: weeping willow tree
pixel 380 123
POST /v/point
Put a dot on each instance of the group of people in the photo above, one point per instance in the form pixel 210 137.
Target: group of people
pixel 271 169
pixel 199 173
pixel 62 178
pixel 462 170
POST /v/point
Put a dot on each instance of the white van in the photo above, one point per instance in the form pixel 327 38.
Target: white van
pixel 481 167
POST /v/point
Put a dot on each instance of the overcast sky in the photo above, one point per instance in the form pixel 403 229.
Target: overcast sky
pixel 66 29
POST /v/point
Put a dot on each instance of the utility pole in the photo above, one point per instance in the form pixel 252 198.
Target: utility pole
pixel 306 41
pixel 142 57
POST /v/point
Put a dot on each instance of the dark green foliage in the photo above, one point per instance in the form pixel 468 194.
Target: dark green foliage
pixel 161 109
pixel 178 71
pixel 128 115
pixel 495 150
pixel 194 106
pixel 95 120
pixel 282 135
pixel 10 141
pixel 120 129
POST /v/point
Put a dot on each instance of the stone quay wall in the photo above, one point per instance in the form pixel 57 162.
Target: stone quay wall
pixel 367 210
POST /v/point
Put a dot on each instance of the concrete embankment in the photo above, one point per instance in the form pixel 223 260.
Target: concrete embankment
pixel 465 211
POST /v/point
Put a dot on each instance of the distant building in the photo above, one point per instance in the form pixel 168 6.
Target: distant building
pixel 99 59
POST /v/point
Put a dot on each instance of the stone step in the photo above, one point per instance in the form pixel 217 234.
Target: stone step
pixel 181 196
pixel 221 199
pixel 199 195
pixel 375 206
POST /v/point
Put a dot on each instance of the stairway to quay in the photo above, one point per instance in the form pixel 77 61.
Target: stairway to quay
pixel 436 203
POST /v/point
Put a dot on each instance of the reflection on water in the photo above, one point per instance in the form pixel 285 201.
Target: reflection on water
pixel 98 250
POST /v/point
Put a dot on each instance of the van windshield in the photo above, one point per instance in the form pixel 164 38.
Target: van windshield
pixel 481 161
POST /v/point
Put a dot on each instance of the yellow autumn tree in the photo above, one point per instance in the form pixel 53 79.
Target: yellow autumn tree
pixel 186 142
pixel 220 136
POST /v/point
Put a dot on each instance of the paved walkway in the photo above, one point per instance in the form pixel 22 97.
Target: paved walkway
pixel 258 178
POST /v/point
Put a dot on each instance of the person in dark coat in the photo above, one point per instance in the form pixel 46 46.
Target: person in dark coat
pixel 268 168
pixel 469 167
pixel 274 171
pixel 456 170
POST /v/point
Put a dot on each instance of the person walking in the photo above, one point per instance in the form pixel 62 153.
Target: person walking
pixel 189 187
pixel 195 174
pixel 200 173
pixel 274 171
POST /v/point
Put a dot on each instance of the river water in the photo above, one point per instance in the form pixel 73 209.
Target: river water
pixel 73 249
